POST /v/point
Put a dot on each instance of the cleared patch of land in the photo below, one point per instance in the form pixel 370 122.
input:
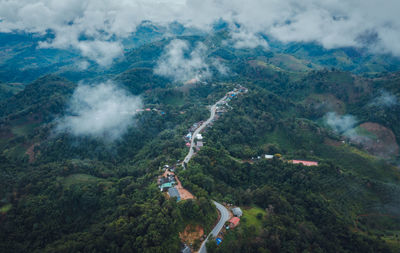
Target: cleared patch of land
pixel 192 234
pixel 250 218
pixel 381 140
pixel 80 179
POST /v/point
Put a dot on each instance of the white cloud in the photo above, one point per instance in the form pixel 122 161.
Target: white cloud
pixel 340 123
pixel 241 38
pixel 103 111
pixel 385 99
pixel 332 23
pixel 181 64
pixel 346 126
pixel 220 67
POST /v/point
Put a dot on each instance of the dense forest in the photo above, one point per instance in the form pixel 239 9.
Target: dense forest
pixel 66 193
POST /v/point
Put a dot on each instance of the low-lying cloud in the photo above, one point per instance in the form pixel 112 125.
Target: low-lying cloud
pixel 182 63
pixel 97 28
pixel 385 99
pixel 340 123
pixel 346 126
pixel 101 111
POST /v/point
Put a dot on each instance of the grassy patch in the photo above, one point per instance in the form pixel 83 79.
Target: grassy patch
pixel 24 129
pixel 80 179
pixel 5 208
pixel 176 100
pixel 279 138
pixel 353 159
pixel 16 152
pixel 364 132
pixel 249 217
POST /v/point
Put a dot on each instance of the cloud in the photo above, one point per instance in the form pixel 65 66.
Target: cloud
pixel 181 64
pixel 97 27
pixel 241 38
pixel 340 123
pixel 346 126
pixel 385 99
pixel 220 67
pixel 101 111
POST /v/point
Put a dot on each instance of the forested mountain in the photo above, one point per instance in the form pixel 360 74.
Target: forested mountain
pixel 83 145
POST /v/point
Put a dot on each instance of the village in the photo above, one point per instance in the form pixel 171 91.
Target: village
pixel 169 183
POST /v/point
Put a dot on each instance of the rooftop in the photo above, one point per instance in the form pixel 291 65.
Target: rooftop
pixel 234 221
pixel 173 192
pixel 306 163
pixel 237 211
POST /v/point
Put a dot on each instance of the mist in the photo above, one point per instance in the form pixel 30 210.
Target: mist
pixel 345 125
pixel 101 110
pixel 385 99
pixel 181 63
pixel 340 123
pixel 370 24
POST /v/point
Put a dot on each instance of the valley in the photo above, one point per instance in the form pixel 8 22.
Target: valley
pixel 233 131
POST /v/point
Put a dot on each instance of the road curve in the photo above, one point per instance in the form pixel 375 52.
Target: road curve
pixel 224 218
pixel 199 129
pixel 223 211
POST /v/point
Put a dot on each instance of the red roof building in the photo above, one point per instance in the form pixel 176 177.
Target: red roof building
pixel 234 222
pixel 306 163
pixel 187 144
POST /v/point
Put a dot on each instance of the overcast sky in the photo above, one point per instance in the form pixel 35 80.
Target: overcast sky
pixel 331 23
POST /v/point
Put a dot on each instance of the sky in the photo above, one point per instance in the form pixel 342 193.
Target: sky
pixel 105 23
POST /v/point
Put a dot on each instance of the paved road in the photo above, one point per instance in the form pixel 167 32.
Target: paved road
pixel 224 217
pixel 199 129
pixel 223 211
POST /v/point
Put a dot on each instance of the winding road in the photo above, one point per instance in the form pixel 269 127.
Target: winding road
pixel 222 210
pixel 199 129
pixel 224 217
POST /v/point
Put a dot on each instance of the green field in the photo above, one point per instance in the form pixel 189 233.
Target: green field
pixel 24 129
pixel 249 217
pixel 5 208
pixel 80 179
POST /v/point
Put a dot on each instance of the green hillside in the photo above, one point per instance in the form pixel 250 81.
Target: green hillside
pixel 65 192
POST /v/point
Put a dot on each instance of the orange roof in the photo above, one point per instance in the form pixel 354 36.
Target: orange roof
pixel 234 220
pixel 306 163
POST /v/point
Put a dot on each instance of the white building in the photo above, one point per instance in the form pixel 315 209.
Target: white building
pixel 237 211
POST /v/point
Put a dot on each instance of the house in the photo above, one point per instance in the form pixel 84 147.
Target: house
pixel 268 156
pixel 237 212
pixel 200 144
pixel 166 186
pixel 163 180
pixel 305 163
pixel 218 240
pixel 234 222
pixel 173 192
pixel 199 136
pixel 187 144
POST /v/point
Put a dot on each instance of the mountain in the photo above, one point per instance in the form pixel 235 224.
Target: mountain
pixel 68 192
pixel 8 90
